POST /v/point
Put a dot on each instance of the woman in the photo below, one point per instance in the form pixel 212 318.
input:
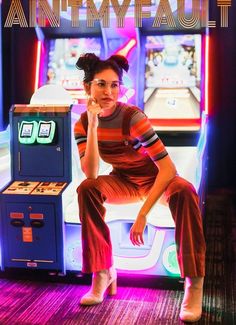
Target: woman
pixel 142 170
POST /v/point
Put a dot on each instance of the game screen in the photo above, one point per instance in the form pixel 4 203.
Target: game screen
pixel 26 130
pixel 44 130
pixel 172 77
pixel 63 55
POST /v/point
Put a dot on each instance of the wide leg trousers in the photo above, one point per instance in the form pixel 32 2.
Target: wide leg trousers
pixel 183 203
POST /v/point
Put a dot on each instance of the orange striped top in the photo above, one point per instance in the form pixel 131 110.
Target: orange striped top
pixel 142 140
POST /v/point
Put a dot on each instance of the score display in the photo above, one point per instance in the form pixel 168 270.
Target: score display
pixel 173 80
pixel 46 132
pixel 42 132
pixel 63 54
pixel 28 132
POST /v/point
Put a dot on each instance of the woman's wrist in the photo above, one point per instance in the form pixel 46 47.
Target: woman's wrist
pixel 142 215
pixel 92 127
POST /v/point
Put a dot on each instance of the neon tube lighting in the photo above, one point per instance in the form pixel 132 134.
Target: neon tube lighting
pixel 206 75
pixel 36 83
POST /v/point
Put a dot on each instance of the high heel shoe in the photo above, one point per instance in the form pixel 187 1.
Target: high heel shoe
pixel 191 308
pixel 102 281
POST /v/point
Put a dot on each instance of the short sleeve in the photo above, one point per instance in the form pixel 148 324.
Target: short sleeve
pixel 80 137
pixel 142 130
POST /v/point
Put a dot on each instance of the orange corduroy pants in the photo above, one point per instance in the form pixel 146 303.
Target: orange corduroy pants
pixel 183 203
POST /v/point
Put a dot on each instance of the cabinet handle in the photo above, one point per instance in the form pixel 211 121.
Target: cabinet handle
pixel 19 161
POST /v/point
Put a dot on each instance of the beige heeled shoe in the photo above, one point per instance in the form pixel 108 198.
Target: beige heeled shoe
pixel 102 281
pixel 191 308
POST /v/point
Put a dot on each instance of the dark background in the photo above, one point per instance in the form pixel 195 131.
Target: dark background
pixel 18 55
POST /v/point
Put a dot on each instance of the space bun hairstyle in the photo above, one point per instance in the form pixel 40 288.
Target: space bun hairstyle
pixel 91 64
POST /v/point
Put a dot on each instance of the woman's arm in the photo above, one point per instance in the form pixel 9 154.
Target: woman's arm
pixel 90 161
pixel 166 172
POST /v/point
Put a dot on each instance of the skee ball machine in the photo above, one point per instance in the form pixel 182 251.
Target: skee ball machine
pixel 32 227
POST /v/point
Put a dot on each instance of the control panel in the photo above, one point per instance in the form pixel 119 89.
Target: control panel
pixel 35 188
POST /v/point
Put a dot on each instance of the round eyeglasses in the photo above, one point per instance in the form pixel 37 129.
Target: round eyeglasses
pixel 103 84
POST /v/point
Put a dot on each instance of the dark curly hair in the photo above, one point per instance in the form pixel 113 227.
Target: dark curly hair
pixel 91 64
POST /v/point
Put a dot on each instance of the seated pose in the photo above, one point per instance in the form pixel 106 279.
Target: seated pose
pixel 122 136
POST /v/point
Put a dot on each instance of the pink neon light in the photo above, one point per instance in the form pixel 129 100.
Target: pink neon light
pixel 206 74
pixel 36 83
pixel 127 48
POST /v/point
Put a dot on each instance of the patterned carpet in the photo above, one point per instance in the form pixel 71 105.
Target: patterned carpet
pixel 40 301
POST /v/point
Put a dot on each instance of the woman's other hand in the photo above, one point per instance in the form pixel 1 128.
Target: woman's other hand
pixel 137 230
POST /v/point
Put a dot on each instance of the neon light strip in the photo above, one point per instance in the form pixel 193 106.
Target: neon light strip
pixel 206 74
pixel 201 150
pixel 36 83
pixel 142 263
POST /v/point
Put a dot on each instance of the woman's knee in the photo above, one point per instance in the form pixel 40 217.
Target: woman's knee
pixel 180 186
pixel 87 185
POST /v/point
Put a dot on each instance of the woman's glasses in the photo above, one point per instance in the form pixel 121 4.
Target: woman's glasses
pixel 103 84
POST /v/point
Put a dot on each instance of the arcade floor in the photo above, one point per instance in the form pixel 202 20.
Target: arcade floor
pixel 37 300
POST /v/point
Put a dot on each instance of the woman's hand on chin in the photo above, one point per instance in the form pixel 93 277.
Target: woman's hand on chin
pixel 93 110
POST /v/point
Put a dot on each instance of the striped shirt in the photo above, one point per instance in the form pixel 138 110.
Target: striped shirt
pixel 142 139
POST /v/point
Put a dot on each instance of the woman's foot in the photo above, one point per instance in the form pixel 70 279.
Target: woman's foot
pixel 102 281
pixel 191 308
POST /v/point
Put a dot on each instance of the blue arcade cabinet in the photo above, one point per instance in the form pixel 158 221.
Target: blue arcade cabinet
pixel 32 226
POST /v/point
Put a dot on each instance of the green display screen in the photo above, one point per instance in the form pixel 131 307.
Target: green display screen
pixel 28 132
pixel 46 132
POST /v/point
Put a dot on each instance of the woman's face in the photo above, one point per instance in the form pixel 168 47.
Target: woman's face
pixel 104 88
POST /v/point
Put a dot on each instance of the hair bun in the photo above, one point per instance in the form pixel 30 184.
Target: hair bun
pixel 87 62
pixel 121 61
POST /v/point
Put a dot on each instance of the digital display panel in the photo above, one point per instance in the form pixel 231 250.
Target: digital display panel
pixel 63 55
pixel 26 130
pixel 172 77
pixel 44 130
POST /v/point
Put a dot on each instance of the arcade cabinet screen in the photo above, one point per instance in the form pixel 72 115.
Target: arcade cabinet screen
pixel 172 77
pixel 63 55
pixel 26 130
pixel 44 130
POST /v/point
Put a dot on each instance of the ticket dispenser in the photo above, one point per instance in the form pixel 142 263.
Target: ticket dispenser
pixel 32 226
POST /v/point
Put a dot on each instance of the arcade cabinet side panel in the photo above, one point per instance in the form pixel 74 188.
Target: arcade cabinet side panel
pixel 32 232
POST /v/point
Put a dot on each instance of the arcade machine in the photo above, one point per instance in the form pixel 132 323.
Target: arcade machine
pixel 32 226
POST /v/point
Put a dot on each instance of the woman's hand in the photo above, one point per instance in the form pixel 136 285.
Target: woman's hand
pixel 93 110
pixel 136 231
